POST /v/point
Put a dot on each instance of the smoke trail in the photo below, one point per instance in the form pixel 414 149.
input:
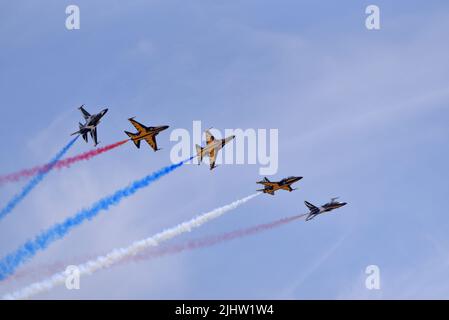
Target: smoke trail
pixel 214 240
pixel 118 255
pixel 34 182
pixel 13 260
pixel 171 249
pixel 64 163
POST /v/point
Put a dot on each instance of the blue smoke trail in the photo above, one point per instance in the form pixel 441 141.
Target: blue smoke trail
pixel 28 250
pixel 34 181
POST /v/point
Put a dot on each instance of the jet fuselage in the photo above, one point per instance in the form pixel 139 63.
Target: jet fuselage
pixel 332 206
pixel 216 144
pixel 289 180
pixel 95 119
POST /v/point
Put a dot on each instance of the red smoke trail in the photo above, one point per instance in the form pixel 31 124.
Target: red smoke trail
pixel 64 163
pixel 152 253
pixel 213 240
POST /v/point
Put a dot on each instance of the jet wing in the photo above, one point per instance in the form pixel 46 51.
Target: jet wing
pixel 93 134
pixel 151 139
pixel 139 127
pixel 310 216
pixel 86 114
pixel 209 137
pixel 212 158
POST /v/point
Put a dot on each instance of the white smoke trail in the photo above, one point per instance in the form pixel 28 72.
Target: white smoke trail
pixel 117 255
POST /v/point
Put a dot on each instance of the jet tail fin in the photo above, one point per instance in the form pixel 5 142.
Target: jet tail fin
pixel 311 207
pixel 132 135
pixel 199 152
pixel 79 131
pixel 263 181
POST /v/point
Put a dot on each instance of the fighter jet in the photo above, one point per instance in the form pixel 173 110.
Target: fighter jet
pixel 145 133
pixel 314 211
pixel 211 149
pixel 284 184
pixel 91 124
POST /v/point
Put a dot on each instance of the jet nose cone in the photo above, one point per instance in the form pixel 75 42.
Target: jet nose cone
pixel 104 111
pixel 165 127
pixel 343 204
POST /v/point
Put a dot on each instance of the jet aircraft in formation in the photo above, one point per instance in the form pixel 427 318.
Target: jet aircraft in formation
pixel 145 133
pixel 271 187
pixel 211 149
pixel 315 211
pixel 90 125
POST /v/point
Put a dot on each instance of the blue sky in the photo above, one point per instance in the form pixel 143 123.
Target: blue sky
pixel 361 114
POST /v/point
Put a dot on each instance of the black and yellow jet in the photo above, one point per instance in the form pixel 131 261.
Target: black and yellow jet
pixel 145 133
pixel 271 187
pixel 211 149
